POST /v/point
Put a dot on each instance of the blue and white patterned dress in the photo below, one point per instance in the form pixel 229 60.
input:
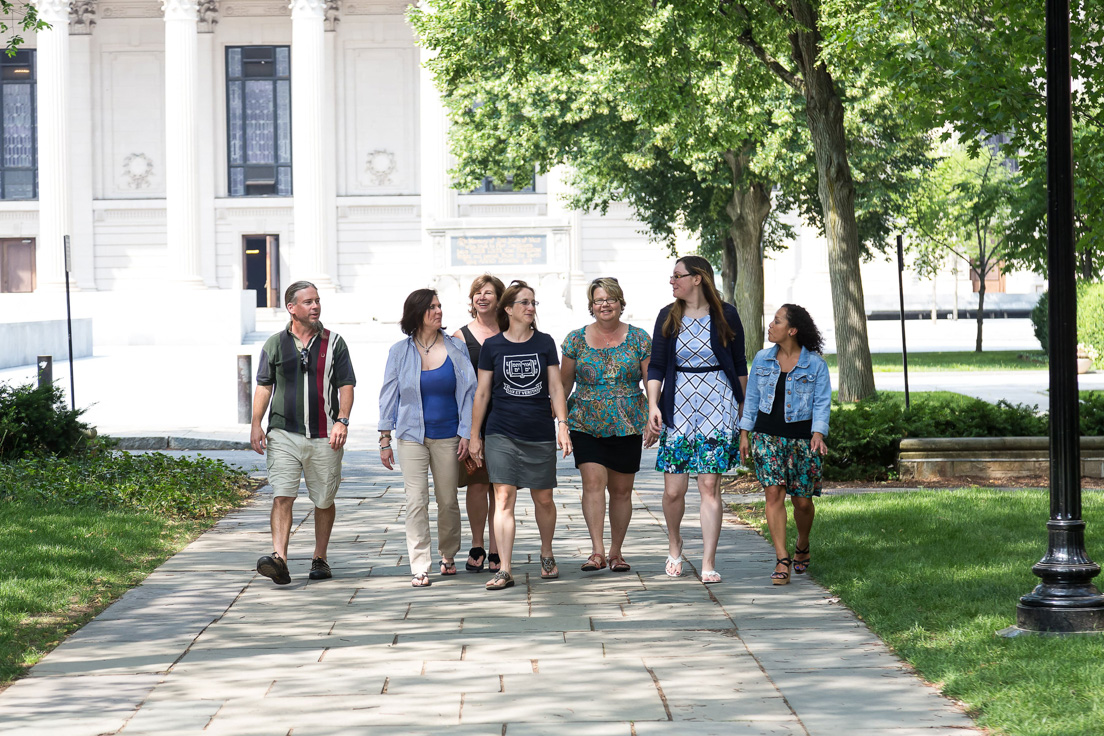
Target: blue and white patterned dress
pixel 705 438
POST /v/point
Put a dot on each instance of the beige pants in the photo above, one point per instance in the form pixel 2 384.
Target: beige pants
pixel 292 456
pixel 417 461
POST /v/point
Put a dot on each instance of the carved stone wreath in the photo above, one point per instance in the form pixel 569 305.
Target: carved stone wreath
pixel 137 168
pixel 380 166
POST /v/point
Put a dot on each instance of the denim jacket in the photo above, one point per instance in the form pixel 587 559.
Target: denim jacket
pixel 808 389
pixel 401 395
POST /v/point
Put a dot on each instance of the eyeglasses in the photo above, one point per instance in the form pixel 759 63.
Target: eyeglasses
pixel 304 359
pixel 526 302
pixel 605 302
pixel 677 276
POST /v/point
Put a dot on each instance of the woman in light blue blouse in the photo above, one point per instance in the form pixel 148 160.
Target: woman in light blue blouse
pixel 426 399
pixel 785 421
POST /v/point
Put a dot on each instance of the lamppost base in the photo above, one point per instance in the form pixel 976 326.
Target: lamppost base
pixel 1056 621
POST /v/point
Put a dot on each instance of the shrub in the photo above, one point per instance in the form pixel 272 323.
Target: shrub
pixel 36 421
pixel 175 487
pixel 1092 413
pixel 1090 317
pixel 866 436
pixel 1039 321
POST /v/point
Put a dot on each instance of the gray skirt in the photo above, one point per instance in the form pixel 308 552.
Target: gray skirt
pixel 520 463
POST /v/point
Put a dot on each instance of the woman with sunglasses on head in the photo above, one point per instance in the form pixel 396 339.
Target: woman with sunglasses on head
pixel 484 294
pixel 519 368
pixel 606 361
pixel 426 399
pixel 785 421
pixel 696 383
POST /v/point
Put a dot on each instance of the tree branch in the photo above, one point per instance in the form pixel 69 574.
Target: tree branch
pixel 747 39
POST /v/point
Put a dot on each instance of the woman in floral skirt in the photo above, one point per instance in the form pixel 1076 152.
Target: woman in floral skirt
pixel 696 382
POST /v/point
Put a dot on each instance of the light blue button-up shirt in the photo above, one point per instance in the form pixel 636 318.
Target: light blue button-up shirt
pixel 808 387
pixel 401 395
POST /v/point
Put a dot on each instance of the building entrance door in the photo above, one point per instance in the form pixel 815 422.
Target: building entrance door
pixel 261 268
pixel 17 265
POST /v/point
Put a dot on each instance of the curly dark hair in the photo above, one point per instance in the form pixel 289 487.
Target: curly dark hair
pixel 417 304
pixel 808 336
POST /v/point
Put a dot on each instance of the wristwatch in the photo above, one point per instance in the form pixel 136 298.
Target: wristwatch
pixel 343 420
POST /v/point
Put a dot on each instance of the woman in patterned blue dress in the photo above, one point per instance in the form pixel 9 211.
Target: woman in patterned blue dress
pixel 696 382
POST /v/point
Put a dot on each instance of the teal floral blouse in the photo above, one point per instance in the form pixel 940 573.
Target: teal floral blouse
pixel 608 400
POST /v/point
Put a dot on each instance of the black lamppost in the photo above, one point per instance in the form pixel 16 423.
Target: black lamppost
pixel 1065 601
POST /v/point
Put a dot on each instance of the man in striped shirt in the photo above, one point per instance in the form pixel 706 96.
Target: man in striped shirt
pixel 307 379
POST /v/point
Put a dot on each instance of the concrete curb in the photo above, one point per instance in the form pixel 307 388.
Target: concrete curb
pixel 178 443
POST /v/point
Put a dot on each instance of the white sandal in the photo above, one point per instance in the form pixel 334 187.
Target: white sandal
pixel 671 563
pixel 421 580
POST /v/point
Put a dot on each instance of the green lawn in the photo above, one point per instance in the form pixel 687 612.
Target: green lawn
pixel 937 573
pixel 63 564
pixel 994 360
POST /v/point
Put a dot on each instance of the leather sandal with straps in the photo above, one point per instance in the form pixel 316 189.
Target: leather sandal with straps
pixel 800 566
pixel 595 562
pixel 782 578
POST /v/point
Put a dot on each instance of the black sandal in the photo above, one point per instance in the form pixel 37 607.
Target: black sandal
pixel 782 578
pixel 800 566
pixel 476 553
pixel 494 562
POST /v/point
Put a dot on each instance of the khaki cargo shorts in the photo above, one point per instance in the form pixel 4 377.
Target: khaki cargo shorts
pixel 293 456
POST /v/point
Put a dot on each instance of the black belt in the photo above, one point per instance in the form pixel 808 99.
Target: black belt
pixel 699 369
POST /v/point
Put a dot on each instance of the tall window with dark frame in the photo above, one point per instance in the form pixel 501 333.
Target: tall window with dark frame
pixel 258 120
pixel 19 164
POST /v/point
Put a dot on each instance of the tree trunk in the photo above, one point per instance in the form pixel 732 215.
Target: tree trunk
pixel 981 312
pixel 749 207
pixel 824 111
pixel 728 270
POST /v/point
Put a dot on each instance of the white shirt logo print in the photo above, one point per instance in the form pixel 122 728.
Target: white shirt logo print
pixel 521 373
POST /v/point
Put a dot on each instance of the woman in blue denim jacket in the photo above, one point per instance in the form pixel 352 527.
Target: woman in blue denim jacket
pixel 785 421
pixel 426 399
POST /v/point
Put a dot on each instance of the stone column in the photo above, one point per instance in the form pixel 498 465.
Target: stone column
pixel 208 61
pixel 181 142
pixel 54 212
pixel 438 199
pixel 308 143
pixel 82 22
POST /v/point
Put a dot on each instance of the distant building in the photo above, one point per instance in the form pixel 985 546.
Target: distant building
pixel 203 155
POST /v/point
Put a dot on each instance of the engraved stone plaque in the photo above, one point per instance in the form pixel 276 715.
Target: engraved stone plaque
pixel 499 250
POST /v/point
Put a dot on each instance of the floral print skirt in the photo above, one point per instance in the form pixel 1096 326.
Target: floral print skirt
pixel 715 452
pixel 790 463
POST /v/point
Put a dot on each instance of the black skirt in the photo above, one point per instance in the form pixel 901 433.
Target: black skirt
pixel 619 454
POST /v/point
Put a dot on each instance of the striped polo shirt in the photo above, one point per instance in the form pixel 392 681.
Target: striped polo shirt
pixel 304 400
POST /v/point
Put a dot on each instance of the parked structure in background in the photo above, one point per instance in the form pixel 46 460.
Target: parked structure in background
pixel 202 153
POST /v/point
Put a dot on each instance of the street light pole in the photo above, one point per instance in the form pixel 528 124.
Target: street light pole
pixel 1066 601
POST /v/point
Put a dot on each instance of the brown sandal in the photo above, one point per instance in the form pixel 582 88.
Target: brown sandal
pixel 595 562
pixel 500 581
pixel 617 564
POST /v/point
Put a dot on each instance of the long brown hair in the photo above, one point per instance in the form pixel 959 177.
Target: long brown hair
pixel 698 266
pixel 507 300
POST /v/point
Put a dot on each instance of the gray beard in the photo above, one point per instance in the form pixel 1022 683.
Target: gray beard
pixel 314 326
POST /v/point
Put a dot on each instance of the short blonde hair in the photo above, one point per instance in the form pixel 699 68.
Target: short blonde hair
pixel 611 287
pixel 477 286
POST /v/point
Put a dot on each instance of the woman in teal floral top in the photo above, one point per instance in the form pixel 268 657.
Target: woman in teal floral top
pixel 607 415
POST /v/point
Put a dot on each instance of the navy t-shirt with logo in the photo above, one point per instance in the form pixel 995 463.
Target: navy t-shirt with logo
pixel 521 407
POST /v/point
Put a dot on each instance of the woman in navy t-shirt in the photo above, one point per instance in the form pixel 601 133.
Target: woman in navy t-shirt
pixel 520 369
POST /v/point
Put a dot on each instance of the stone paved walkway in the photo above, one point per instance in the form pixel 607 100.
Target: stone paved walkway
pixel 205 646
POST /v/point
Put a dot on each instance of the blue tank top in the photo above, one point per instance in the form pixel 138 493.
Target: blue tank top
pixel 439 410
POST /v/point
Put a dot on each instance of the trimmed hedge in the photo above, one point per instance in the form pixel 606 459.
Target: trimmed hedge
pixel 865 436
pixel 1090 318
